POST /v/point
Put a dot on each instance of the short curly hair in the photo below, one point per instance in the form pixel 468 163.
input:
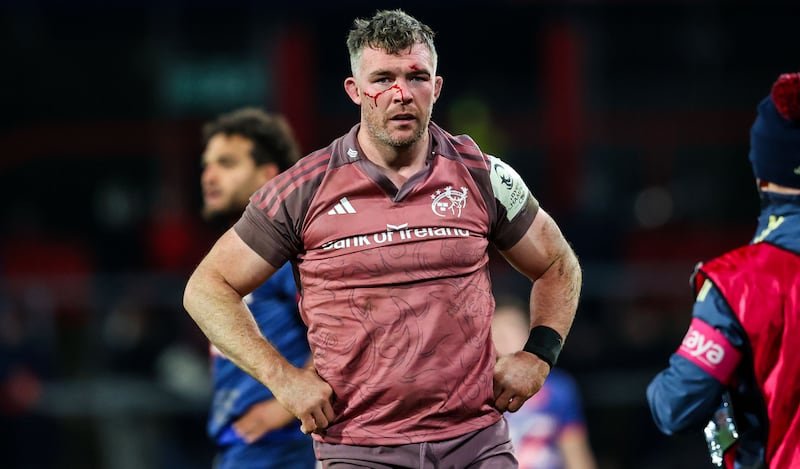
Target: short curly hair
pixel 392 31
pixel 272 137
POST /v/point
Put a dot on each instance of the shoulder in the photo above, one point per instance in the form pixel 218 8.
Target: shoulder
pixel 461 148
pixel 297 184
pixel 309 167
pixel 503 178
pixel 753 261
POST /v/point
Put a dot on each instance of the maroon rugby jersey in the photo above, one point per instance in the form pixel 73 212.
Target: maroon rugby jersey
pixel 394 282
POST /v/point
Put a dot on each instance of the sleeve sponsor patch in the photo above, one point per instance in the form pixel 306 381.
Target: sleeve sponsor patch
pixel 508 187
pixel 709 349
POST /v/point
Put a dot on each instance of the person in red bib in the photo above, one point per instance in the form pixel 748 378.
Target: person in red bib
pixel 736 375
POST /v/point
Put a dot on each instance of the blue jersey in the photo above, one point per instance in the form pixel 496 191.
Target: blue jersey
pixel 536 427
pixel 274 307
pixel 685 396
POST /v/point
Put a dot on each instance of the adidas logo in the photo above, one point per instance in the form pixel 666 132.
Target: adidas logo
pixel 342 207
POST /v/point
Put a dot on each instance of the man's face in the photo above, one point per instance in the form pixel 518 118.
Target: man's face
pixel 229 176
pixel 396 93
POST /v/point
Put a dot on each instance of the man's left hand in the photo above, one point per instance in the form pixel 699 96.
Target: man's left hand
pixel 517 377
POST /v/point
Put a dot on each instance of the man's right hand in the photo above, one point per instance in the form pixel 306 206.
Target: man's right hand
pixel 308 397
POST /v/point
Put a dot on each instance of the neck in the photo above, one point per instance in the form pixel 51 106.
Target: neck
pixel 222 222
pixel 397 163
pixel 767 186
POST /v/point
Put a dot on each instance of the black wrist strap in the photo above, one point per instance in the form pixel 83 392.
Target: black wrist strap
pixel 545 343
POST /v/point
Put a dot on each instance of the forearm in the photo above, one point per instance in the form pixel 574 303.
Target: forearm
pixel 574 445
pixel 554 295
pixel 683 397
pixel 219 311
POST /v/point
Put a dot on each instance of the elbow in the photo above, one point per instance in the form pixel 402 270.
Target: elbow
pixel 670 423
pixel 189 294
pixel 665 422
pixel 669 416
pixel 569 268
pixel 565 263
pixel 574 265
pixel 663 414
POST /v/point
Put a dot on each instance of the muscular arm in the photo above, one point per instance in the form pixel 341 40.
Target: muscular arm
pixel 545 257
pixel 213 298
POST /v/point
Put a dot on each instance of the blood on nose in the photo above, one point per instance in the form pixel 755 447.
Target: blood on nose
pixel 399 93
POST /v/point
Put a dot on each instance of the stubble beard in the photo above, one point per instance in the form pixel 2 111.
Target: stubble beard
pixel 214 215
pixel 380 132
pixel 228 212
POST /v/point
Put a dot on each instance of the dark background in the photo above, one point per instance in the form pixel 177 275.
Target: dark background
pixel 628 119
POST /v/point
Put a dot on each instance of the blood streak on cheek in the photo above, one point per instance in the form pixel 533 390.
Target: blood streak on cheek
pixel 378 95
pixel 374 97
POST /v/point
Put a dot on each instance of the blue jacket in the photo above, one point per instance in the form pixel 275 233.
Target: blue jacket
pixel 683 397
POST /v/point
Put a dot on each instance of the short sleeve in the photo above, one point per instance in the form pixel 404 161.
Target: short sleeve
pixel 271 237
pixel 516 206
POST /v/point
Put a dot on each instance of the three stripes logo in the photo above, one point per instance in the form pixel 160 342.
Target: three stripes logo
pixel 342 207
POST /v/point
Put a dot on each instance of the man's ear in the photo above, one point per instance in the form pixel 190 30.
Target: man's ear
pixel 351 88
pixel 437 87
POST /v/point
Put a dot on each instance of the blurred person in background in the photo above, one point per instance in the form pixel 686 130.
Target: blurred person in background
pixel 736 375
pixel 549 430
pixel 389 228
pixel 243 150
pixel 26 364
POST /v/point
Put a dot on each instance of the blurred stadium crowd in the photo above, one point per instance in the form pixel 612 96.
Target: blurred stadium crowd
pixel 629 120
